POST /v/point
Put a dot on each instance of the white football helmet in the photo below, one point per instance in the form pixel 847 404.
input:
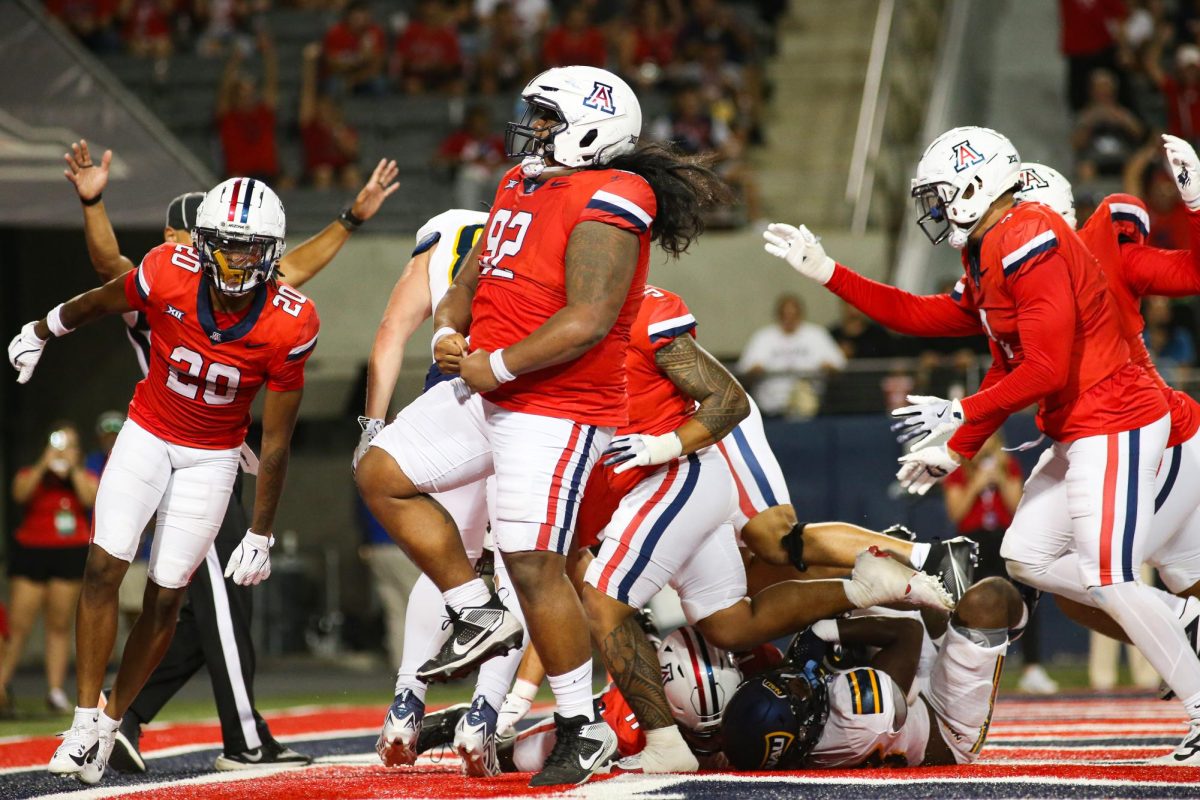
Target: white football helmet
pixel 959 176
pixel 593 116
pixel 239 234
pixel 699 680
pixel 1046 185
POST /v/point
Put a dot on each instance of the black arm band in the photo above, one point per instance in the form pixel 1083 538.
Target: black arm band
pixel 349 221
pixel 93 201
pixel 793 543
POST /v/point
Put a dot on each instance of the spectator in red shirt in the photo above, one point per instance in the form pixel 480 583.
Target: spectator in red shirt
pixel 1180 88
pixel 575 41
pixel 505 55
pixel 428 56
pixel 330 145
pixel 47 557
pixel 147 27
pixel 475 153
pixel 647 43
pixel 246 117
pixel 92 21
pixel 354 49
pixel 1145 177
pixel 1091 36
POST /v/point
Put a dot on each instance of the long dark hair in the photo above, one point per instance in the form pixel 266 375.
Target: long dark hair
pixel 683 187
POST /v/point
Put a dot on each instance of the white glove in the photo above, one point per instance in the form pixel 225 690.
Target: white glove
pixel 922 469
pixel 250 563
pixel 515 706
pixel 370 427
pixel 24 351
pixel 928 422
pixel 640 450
pixel 1185 168
pixel 798 247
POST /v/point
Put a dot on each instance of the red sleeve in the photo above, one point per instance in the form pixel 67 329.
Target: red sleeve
pixel 139 282
pixel 287 373
pixel 903 312
pixel 625 201
pixel 968 439
pixel 1174 273
pixel 1041 288
pixel 667 317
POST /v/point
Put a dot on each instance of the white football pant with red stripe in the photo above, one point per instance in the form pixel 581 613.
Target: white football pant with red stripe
pixel 756 472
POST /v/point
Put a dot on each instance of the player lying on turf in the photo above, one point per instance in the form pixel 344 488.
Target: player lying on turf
pixel 882 711
pixel 1056 338
pixel 443 244
pixel 222 328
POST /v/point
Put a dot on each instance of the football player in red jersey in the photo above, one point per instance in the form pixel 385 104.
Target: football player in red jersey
pixel 1056 340
pixel 547 298
pixel 214 624
pixel 222 327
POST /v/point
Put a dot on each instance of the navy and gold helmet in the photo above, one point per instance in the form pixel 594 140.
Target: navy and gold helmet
pixel 774 720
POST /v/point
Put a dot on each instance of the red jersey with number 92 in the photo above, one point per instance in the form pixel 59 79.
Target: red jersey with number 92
pixel 522 283
pixel 206 366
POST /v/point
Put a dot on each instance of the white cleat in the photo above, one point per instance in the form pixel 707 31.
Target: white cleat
pixel 879 579
pixel 1187 754
pixel 93 770
pixel 79 746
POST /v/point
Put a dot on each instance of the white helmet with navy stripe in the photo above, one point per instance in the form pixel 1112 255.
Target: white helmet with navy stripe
pixel 959 176
pixel 698 680
pixel 588 114
pixel 239 234
pixel 1046 185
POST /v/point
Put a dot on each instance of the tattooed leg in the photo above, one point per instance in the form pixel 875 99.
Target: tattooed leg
pixel 633 664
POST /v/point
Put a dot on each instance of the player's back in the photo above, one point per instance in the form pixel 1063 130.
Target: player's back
pixel 656 405
pixel 522 283
pixel 1098 393
pixel 870 724
pixel 206 366
pixel 454 233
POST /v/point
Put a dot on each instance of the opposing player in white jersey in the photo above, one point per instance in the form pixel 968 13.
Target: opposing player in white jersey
pixel 443 243
pixel 888 711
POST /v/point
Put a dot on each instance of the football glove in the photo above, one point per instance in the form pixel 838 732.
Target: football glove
pixel 1185 168
pixel 928 422
pixel 370 427
pixel 640 450
pixel 250 563
pixel 922 469
pixel 800 248
pixel 24 351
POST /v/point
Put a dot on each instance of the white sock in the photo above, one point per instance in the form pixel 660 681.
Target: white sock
pixel 471 594
pixel 422 635
pixel 107 724
pixel 496 674
pixel 573 691
pixel 920 552
pixel 1156 632
pixel 84 717
pixel 665 738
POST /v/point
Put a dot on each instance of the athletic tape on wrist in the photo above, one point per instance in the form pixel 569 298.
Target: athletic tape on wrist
pixel 499 370
pixel 54 322
pixel 438 335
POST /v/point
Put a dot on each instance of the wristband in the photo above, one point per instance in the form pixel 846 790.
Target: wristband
pixel 93 201
pixel 54 322
pixel 438 335
pixel 349 220
pixel 826 630
pixel 499 371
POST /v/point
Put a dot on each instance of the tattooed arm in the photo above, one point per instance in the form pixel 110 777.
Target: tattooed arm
pixel 723 401
pixel 279 419
pixel 600 263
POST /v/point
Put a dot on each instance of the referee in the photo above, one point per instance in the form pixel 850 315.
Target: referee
pixel 214 623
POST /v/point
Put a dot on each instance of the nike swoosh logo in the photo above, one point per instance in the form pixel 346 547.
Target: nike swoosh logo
pixel 256 757
pixel 458 651
pixel 588 763
pixel 79 760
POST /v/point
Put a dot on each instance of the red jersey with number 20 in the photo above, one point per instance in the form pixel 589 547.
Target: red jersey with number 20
pixel 1116 234
pixel 522 283
pixel 203 376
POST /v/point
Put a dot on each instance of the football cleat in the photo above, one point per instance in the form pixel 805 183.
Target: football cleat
pixel 475 741
pixel 397 743
pixel 879 579
pixel 437 730
pixel 954 561
pixel 93 770
pixel 79 746
pixel 476 634
pixel 271 754
pixel 1187 754
pixel 127 754
pixel 582 748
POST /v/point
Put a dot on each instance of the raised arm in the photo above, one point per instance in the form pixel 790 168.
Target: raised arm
pixel 90 180
pixel 407 308
pixel 302 264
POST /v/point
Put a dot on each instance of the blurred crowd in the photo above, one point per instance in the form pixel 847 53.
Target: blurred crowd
pixel 1133 73
pixel 706 57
